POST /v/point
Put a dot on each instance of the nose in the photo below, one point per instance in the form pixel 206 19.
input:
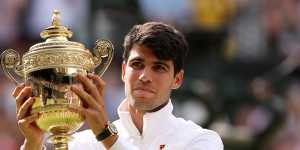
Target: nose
pixel 145 75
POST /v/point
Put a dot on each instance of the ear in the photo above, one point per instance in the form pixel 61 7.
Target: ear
pixel 178 80
pixel 123 71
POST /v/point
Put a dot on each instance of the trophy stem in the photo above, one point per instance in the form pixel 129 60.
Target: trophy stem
pixel 61 146
pixel 60 141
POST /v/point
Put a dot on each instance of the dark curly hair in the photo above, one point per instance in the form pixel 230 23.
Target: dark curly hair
pixel 165 41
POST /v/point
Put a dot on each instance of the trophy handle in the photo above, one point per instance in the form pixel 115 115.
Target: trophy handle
pixel 103 55
pixel 11 66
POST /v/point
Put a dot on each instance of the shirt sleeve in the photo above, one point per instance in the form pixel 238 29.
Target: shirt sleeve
pixel 122 144
pixel 86 140
pixel 210 141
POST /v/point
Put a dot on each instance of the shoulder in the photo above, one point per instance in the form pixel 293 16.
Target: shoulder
pixel 198 135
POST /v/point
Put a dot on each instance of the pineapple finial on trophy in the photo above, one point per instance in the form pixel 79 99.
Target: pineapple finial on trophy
pixel 56 29
pixel 56 18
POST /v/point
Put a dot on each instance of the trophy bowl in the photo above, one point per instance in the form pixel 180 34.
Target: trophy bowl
pixel 51 88
pixel 50 68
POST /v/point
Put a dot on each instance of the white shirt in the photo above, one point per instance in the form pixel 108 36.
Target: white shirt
pixel 161 131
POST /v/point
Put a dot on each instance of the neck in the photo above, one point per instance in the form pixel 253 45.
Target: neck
pixel 137 116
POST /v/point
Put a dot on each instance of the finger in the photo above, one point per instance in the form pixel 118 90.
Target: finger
pixel 77 109
pixel 24 109
pixel 88 85
pixel 17 90
pixel 85 97
pixel 23 95
pixel 28 120
pixel 98 82
pixel 100 87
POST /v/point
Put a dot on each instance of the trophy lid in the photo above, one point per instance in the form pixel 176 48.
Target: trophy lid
pixel 56 29
pixel 58 54
pixel 57 51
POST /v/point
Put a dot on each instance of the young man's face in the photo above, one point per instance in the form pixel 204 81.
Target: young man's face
pixel 148 81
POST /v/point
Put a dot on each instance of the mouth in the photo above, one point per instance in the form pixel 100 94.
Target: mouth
pixel 144 89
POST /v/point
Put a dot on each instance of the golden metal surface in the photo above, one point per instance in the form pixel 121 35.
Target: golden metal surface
pixel 49 68
pixel 57 51
pixel 56 29
pixel 56 115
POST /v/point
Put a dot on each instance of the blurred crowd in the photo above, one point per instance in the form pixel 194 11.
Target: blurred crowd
pixel 242 74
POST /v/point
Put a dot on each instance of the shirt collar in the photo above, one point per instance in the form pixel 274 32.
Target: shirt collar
pixel 154 121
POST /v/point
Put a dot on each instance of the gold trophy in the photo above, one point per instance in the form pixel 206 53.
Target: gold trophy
pixel 49 68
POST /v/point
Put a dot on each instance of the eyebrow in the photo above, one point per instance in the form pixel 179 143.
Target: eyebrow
pixel 162 63
pixel 159 62
pixel 136 59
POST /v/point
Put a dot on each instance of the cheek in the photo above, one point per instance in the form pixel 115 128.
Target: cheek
pixel 130 77
pixel 163 83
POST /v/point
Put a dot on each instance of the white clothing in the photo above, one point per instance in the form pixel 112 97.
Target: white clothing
pixel 161 131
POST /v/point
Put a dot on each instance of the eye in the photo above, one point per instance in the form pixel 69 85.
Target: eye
pixel 160 68
pixel 136 65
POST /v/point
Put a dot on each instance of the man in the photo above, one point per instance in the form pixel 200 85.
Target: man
pixel 152 67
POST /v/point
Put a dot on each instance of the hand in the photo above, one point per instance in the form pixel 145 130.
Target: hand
pixel 91 94
pixel 26 122
pixel 93 110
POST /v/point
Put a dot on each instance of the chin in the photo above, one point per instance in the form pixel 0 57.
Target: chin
pixel 141 105
pixel 143 98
